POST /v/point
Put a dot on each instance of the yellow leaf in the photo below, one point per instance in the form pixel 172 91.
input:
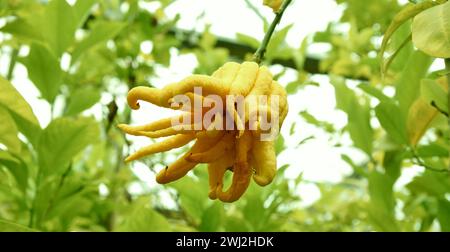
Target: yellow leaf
pixel 420 116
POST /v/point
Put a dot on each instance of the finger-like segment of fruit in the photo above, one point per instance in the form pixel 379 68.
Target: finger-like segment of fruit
pixel 241 86
pixel 166 145
pixel 264 161
pixel 148 94
pixel 279 90
pixel 214 129
pixel 245 79
pixel 182 166
pixel 241 171
pixel 186 129
pixel 158 125
pixel 178 169
pixel 191 99
pixel 228 72
pixel 272 109
pixel 155 126
pixel 221 148
pixel 209 85
pixel 216 172
pixel 262 87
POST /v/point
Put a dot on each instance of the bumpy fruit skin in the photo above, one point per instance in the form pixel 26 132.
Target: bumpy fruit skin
pixel 239 150
pixel 274 4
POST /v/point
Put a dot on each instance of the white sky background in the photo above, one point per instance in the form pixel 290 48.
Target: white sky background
pixel 317 159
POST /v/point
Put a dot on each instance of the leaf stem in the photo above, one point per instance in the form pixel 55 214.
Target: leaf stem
pixel 447 67
pixel 259 54
pixel 255 10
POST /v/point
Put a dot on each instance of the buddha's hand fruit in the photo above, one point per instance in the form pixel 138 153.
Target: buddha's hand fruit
pixel 245 146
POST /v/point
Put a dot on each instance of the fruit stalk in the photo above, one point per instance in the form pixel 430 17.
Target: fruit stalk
pixel 259 54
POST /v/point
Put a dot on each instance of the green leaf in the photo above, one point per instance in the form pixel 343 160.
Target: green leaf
pixel 280 146
pixel 434 93
pixel 82 99
pixel 6 156
pixel 58 26
pixel 388 115
pixel 8 132
pixel 356 168
pixel 62 140
pixel 392 164
pixel 247 40
pixel 432 150
pixel 66 198
pixel 277 47
pixel 44 70
pixel 235 224
pixel 444 215
pixel 193 197
pixel 101 32
pixel 7 226
pixel 20 110
pixel 212 218
pixel 81 11
pixel 374 92
pixel 410 11
pixel 328 127
pixel 399 51
pixel 358 115
pixel 431 31
pixel 299 55
pixel 17 168
pixel 432 183
pixel 254 211
pixel 13 101
pixel 408 85
pixel 144 219
pixel 22 29
pixel 293 87
pixel 382 202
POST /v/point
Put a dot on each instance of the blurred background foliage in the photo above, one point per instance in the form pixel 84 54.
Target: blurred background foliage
pixel 70 175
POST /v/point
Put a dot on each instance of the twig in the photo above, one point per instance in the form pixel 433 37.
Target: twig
pixel 418 161
pixel 259 55
pixel 434 105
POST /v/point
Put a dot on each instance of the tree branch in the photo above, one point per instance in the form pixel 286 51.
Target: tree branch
pixel 240 51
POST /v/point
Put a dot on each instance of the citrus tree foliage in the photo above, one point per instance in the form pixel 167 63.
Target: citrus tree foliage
pixel 84 56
